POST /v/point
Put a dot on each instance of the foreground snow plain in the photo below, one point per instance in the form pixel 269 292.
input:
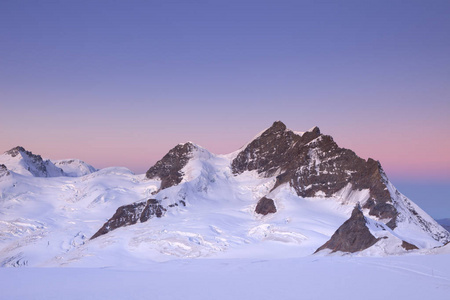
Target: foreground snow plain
pixel 313 277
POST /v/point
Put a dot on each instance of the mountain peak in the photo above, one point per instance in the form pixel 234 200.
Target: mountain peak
pixel 315 130
pixel 278 125
pixel 273 150
pixel 26 163
pixel 168 169
pixel 15 151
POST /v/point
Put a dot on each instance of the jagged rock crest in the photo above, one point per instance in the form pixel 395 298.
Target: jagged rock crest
pixel 131 214
pixel 168 169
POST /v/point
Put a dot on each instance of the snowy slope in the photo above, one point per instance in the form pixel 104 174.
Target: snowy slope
pixel 74 167
pixel 444 223
pixel 25 162
pixel 210 213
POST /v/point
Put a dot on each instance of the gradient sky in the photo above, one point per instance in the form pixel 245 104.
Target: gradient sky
pixel 122 82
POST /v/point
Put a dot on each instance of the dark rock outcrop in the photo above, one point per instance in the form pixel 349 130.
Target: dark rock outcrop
pixel 408 246
pixel 311 163
pixel 352 236
pixel 3 170
pixel 168 169
pixel 272 151
pixel 16 151
pixel 265 206
pixel 153 208
pixel 131 214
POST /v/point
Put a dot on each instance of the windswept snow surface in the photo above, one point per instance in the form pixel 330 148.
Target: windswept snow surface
pixel 314 277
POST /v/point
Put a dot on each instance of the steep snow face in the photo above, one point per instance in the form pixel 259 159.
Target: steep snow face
pixel 444 223
pixel 21 161
pixel 415 224
pixel 74 167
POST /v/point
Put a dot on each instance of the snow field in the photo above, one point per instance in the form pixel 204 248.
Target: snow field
pixel 317 277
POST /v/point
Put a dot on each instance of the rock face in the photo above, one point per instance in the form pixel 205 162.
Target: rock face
pixel 153 208
pixel 265 206
pixel 16 151
pixel 408 246
pixel 313 164
pixel 272 151
pixel 3 170
pixel 168 169
pixel 131 214
pixel 352 236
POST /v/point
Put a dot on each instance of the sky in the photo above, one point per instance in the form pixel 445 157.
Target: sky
pixel 119 83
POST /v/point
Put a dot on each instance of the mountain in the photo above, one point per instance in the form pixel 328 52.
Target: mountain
pixel 74 167
pixel 284 194
pixel 26 163
pixel 3 170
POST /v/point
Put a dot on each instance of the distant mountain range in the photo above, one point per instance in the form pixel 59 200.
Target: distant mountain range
pixel 285 193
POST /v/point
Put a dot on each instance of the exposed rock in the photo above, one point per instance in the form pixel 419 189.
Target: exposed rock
pixel 131 214
pixel 265 206
pixel 16 151
pixel 352 236
pixel 392 223
pixel 153 208
pixel 3 170
pixel 125 215
pixel 271 151
pixel 313 163
pixel 168 169
pixel 408 246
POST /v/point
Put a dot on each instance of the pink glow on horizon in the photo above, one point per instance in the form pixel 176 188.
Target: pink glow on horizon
pixel 401 154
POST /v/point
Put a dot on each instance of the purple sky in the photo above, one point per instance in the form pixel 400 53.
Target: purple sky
pixel 121 83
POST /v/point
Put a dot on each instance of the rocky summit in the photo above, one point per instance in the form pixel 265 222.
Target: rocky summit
pixel 314 165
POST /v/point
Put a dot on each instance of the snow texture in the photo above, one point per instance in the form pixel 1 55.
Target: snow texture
pixel 402 277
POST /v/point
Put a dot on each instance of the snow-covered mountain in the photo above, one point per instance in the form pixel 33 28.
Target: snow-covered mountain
pixel 26 163
pixel 284 194
pixel 74 167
